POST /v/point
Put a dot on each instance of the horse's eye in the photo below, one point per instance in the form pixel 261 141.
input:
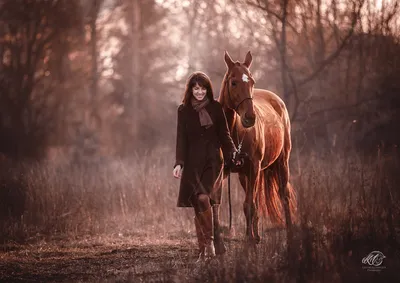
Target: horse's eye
pixel 233 83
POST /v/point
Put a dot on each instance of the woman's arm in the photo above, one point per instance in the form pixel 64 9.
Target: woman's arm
pixel 181 139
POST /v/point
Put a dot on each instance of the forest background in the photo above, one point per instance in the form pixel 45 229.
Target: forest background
pixel 89 92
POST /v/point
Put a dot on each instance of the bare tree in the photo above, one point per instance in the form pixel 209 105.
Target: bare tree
pixel 94 14
pixel 297 20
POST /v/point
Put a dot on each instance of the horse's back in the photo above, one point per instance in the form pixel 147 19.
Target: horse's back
pixel 265 98
pixel 269 107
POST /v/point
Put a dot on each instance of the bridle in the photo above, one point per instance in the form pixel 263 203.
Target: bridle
pixel 235 109
pixel 230 99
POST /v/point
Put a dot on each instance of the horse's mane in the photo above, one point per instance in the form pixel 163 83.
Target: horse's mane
pixel 222 96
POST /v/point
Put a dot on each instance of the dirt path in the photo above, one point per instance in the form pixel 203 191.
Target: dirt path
pixel 135 258
pixel 93 260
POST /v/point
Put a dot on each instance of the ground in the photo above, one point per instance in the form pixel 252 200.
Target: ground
pixel 138 258
pixel 93 259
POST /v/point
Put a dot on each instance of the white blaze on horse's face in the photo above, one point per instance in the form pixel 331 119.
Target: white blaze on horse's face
pixel 199 92
pixel 245 78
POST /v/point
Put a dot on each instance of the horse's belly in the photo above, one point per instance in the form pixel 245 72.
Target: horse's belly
pixel 274 137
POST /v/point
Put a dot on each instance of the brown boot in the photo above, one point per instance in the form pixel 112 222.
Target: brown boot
pixel 206 223
pixel 200 239
pixel 219 244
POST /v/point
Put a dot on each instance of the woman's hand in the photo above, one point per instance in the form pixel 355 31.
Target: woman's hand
pixel 237 162
pixel 177 172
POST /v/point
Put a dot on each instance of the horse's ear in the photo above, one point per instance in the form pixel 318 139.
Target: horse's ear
pixel 228 60
pixel 248 60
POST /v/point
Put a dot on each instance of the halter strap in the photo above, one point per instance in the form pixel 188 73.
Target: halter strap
pixel 236 108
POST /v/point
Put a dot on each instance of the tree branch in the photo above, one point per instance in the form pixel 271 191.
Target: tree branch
pixel 335 54
pixel 272 13
pixel 341 107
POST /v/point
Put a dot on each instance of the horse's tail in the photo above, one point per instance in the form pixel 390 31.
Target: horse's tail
pixel 277 190
pixel 272 204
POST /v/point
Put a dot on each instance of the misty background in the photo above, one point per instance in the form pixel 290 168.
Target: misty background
pixel 83 79
pixel 89 92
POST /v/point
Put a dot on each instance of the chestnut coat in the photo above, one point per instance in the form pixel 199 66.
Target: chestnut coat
pixel 198 151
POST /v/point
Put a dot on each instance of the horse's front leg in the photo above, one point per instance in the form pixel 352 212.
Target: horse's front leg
pixel 249 181
pixel 256 218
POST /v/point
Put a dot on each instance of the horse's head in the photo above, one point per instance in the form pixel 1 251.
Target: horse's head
pixel 239 85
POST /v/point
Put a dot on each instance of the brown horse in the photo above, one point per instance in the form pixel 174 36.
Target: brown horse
pixel 259 120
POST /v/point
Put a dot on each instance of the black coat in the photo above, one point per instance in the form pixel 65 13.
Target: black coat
pixel 198 151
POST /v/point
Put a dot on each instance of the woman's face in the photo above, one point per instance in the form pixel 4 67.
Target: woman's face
pixel 199 92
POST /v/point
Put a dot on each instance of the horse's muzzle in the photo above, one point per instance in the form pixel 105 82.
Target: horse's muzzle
pixel 248 122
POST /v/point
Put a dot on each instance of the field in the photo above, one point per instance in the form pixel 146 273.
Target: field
pixel 114 221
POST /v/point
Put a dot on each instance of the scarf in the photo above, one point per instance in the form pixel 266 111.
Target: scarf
pixel 199 106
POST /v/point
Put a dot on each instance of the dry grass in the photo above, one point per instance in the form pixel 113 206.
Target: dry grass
pixel 348 207
pixel 96 197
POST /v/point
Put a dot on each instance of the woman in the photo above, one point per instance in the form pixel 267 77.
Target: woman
pixel 202 132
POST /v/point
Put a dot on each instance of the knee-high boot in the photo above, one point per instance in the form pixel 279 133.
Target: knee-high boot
pixel 200 238
pixel 219 244
pixel 207 227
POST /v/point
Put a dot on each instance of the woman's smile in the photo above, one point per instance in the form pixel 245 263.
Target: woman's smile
pixel 199 92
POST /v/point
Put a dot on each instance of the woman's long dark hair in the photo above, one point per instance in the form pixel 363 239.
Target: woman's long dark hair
pixel 203 80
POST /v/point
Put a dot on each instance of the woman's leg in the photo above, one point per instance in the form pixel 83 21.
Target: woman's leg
pixel 202 203
pixel 204 222
pixel 200 237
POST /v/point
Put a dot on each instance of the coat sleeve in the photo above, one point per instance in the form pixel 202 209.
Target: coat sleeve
pixel 228 146
pixel 181 139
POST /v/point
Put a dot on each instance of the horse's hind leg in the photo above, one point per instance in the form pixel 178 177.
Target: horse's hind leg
pixel 286 192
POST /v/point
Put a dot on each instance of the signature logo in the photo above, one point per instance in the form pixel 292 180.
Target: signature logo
pixel 374 258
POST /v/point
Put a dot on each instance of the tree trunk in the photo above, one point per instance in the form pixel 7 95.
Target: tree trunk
pixel 93 45
pixel 283 52
pixel 135 76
